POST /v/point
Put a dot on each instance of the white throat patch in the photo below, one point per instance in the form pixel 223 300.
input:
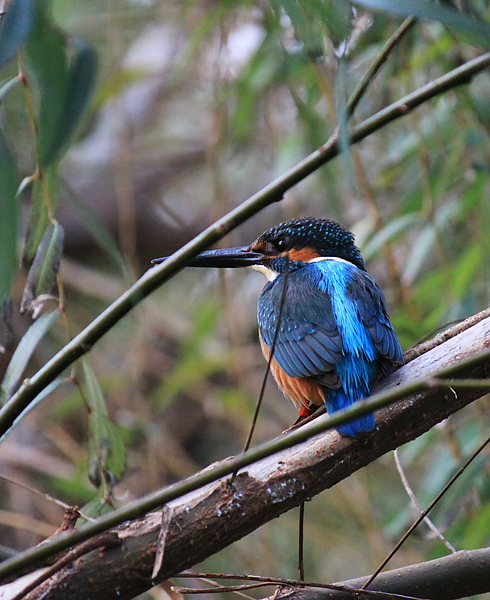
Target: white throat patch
pixel 269 273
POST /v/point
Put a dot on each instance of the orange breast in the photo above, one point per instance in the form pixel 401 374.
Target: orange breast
pixel 302 391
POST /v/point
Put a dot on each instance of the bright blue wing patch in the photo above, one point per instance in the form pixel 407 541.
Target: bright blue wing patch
pixel 308 342
pixel 331 310
pixel 333 328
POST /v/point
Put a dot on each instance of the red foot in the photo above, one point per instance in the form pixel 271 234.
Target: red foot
pixel 305 411
pixel 305 416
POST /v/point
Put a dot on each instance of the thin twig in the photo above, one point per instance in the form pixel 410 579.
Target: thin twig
pixel 424 513
pixel 295 583
pixel 44 495
pixel 424 347
pixel 147 503
pixel 375 67
pixel 273 192
pixel 219 589
pixel 268 368
pixel 416 503
pixel 301 542
pixel 216 585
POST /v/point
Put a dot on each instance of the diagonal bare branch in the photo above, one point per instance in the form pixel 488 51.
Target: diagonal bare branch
pixel 464 573
pixel 209 517
pixel 155 277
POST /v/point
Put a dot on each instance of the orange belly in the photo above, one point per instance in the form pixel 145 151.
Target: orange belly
pixel 303 392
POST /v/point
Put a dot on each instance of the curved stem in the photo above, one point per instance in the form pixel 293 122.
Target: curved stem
pixel 161 497
pixel 273 192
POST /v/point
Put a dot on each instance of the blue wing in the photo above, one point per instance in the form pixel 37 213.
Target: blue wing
pixel 311 341
pixel 308 342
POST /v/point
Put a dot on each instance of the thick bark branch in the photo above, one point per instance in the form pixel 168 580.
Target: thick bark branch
pixel 465 573
pixel 208 519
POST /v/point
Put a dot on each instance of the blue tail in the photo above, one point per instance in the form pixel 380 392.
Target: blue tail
pixel 336 400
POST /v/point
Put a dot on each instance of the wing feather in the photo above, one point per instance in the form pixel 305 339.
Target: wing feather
pixel 371 305
pixel 308 342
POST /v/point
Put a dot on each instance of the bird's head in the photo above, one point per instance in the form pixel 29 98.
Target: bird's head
pixel 305 239
pixel 287 246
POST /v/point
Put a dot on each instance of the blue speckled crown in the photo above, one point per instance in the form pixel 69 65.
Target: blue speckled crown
pixel 326 237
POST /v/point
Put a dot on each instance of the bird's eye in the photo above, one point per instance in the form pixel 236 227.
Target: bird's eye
pixel 281 244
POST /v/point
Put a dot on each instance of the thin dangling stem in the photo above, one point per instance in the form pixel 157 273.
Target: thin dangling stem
pixel 268 368
pixel 301 545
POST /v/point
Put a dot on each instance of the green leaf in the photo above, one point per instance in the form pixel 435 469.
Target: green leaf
pixel 94 509
pixel 342 120
pixel 42 274
pixel 63 88
pixel 49 389
pixel 15 28
pixel 9 209
pixel 107 456
pixel 44 193
pixel 81 80
pixel 7 86
pixel 307 29
pixel 392 229
pixel 47 66
pixel 476 31
pixel 194 362
pixel 97 229
pixel 24 351
pixel 315 19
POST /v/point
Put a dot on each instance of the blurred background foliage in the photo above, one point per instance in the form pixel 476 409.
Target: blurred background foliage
pixel 195 105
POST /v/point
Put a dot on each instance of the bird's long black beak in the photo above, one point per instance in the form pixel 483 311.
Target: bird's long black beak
pixel 224 258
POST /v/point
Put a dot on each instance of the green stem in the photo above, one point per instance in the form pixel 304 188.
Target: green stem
pixel 273 192
pixel 161 497
pixel 378 63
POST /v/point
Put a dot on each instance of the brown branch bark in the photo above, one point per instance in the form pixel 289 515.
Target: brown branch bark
pixel 458 575
pixel 210 518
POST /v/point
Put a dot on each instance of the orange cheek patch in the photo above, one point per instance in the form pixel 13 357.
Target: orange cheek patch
pixel 303 254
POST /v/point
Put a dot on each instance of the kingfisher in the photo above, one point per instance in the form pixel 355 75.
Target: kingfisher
pixel 321 316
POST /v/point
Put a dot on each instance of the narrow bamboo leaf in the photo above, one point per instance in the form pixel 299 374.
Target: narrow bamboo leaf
pixel 52 251
pixel 343 120
pixel 15 28
pixel 6 320
pixel 424 242
pixel 63 87
pixel 105 444
pixel 46 69
pixel 464 270
pixel 308 30
pixel 9 209
pixel 24 351
pixel 388 232
pixel 312 19
pixel 8 86
pixel 42 274
pixel 49 389
pixel 95 508
pixel 476 31
pixel 97 229
pixel 79 86
pixel 45 192
pixel 107 452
